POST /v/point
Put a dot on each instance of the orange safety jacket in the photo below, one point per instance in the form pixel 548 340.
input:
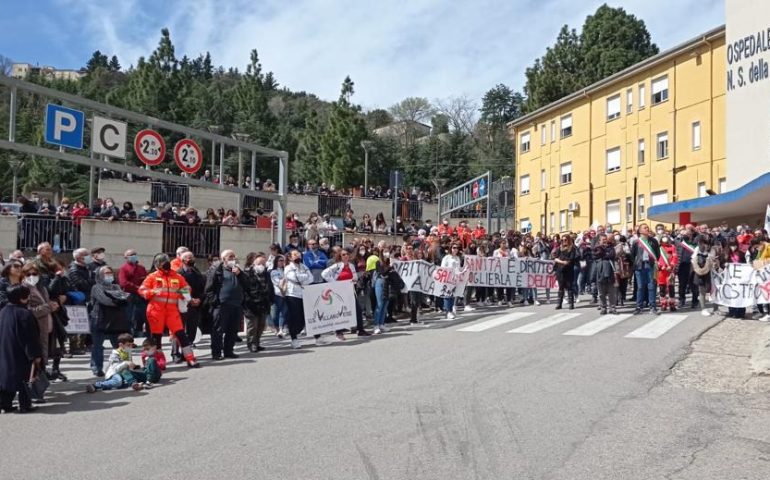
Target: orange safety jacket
pixel 163 306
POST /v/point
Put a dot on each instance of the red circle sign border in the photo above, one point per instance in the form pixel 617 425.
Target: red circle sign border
pixel 178 146
pixel 138 151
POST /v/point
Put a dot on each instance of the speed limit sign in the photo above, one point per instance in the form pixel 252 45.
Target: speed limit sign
pixel 149 147
pixel 188 155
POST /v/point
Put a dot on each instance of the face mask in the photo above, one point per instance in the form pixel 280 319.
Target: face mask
pixel 165 266
pixel 231 263
pixel 190 263
pixel 109 204
pixel 88 259
pixel 108 279
pixel 362 252
pixel 733 248
pixel 386 254
pixel 259 268
pixel 99 256
pixel 151 351
pixel 32 279
pixel 617 238
pixel 145 208
pixel 664 240
pixel 133 259
pixel 45 205
pixel 65 205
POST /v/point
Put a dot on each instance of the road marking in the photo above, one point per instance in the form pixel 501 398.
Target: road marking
pixel 496 322
pixel 657 327
pixel 544 323
pixel 601 323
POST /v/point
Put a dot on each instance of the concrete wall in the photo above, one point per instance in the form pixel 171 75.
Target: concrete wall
pixel 302 205
pixel 245 239
pixel 137 192
pixel 8 234
pixel 117 237
pixel 203 198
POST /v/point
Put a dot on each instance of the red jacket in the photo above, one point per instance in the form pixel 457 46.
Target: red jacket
pixel 666 269
pixel 131 276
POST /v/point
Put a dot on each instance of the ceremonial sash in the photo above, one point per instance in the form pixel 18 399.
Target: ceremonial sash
pixel 647 247
pixel 687 247
pixel 665 258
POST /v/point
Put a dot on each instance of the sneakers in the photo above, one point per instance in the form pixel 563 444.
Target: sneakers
pixel 468 308
pixel 377 331
pixel 295 344
pixel 321 341
pixel 137 386
pixel 148 385
pixel 766 318
pixel 537 303
pixel 341 337
pixel 603 311
pixel 705 312
pixel 90 388
pixel 637 311
pixel 501 303
pixel 451 316
pixel 363 333
pixel 384 329
pixel 279 334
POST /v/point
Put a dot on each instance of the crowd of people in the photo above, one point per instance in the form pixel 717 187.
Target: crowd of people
pixel 663 269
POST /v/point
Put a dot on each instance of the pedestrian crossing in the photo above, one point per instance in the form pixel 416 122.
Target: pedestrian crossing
pixel 584 324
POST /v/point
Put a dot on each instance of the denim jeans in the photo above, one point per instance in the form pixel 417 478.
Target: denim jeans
pixel 278 312
pixel 97 349
pixel 646 287
pixel 449 302
pixel 112 383
pixel 382 302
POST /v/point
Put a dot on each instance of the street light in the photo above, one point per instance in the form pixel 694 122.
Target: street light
pixel 242 137
pixel 366 145
pixel 15 164
pixel 215 129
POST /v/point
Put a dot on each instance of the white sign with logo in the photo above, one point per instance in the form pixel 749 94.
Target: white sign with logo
pixel 78 319
pixel 329 307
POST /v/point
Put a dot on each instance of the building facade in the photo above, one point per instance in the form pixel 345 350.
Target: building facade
pixel 24 70
pixel 648 135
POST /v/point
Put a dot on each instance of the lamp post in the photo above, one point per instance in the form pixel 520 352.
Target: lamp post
pixel 15 164
pixel 366 145
pixel 242 137
pixel 216 129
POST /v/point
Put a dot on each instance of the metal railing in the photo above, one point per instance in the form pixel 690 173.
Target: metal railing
pixel 176 194
pixel 202 240
pixel 254 203
pixel 334 206
pixel 409 210
pixel 61 233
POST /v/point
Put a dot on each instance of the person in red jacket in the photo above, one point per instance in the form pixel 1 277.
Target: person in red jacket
pixel 445 229
pixel 130 278
pixel 667 264
pixel 164 289
pixel 479 232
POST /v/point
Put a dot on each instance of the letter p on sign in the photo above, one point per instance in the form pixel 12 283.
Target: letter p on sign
pixel 64 126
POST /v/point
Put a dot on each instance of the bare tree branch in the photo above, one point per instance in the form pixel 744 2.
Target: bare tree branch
pixel 461 111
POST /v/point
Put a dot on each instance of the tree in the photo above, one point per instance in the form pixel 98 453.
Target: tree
pixel 612 40
pixel 114 65
pixel 459 111
pixel 340 158
pixel 378 118
pixel 308 156
pixel 500 105
pixel 557 74
pixel 5 66
pixel 409 112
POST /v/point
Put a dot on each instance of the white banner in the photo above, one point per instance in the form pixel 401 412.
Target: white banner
pixel 78 319
pixel 422 276
pixel 740 285
pixel 329 307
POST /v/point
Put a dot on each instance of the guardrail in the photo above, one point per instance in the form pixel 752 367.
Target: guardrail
pixel 203 240
pixel 254 203
pixel 334 206
pixel 61 233
pixel 176 194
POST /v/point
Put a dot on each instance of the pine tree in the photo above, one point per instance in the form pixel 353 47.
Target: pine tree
pixel 341 154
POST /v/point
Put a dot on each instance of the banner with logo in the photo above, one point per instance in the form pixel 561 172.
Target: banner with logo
pixel 329 307
pixel 78 319
pixel 740 285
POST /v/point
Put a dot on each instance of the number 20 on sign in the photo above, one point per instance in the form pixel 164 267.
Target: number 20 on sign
pixel 188 156
pixel 149 147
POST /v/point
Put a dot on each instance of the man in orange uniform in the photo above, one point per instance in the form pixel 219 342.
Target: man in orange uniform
pixel 163 289
pixel 177 262
pixel 480 231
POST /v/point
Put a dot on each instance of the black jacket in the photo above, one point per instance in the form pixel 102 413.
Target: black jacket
pixel 637 253
pixel 80 279
pixel 214 284
pixel 19 345
pixel 109 309
pixel 260 294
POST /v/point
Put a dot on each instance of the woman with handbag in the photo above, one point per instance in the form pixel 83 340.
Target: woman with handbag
pixel 108 316
pixel 41 307
pixel 20 350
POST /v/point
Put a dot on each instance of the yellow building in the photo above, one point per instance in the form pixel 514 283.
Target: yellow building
pixel 648 135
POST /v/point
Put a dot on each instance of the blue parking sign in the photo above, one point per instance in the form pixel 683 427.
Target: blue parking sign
pixel 64 126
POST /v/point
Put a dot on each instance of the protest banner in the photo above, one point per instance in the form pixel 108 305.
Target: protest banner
pixel 416 274
pixel 329 307
pixel 78 319
pixel 740 285
pixel 509 272
pixel 449 282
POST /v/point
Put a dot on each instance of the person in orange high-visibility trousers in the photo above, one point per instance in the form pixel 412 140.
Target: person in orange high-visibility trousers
pixel 163 289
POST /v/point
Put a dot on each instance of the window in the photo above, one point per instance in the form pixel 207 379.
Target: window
pixel 662 145
pixel 566 126
pixel 641 151
pixel 524 185
pixel 552 223
pixel 613 160
pixel 629 209
pixel 613 107
pixel 553 130
pixel 659 198
pixel 566 173
pixel 702 189
pixel 722 185
pixel 613 212
pixel 563 221
pixel 525 225
pixel 543 180
pixel 696 136
pixel 542 223
pixel 629 100
pixel 640 207
pixel 660 90
pixel 642 96
pixel 542 134
pixel 524 142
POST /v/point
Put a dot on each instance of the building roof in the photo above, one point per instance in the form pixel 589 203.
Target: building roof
pixel 621 75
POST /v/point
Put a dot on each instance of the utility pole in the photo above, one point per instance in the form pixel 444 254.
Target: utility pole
pixel 366 145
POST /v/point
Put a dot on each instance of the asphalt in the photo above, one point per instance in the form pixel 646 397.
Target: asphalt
pixel 426 402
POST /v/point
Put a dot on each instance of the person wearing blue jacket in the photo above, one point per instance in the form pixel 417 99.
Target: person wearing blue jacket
pixel 315 260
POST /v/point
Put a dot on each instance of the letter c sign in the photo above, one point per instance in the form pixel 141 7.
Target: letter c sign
pixel 108 137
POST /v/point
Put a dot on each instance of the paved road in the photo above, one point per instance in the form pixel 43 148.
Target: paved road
pixel 523 393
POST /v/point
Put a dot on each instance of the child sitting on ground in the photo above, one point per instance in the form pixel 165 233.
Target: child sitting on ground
pixel 120 371
pixel 154 361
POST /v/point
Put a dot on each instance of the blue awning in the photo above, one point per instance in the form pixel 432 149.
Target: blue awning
pixel 742 202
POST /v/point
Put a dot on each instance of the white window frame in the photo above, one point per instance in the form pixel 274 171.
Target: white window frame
pixel 661 146
pixel 566 131
pixel 565 178
pixel 525 225
pixel 562 220
pixel 629 209
pixel 553 131
pixel 722 185
pixel 642 96
pixel 696 136
pixel 525 142
pixel 659 94
pixel 524 185
pixel 542 222
pixel 629 100
pixel 641 148
pixel 613 208
pixel 613 107
pixel 655 198
pixel 543 179
pixel 641 213
pixel 542 134
pixel 702 190
pixel 613 160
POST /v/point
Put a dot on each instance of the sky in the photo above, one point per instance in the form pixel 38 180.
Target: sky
pixel 391 49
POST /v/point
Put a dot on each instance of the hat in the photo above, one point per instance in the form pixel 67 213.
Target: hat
pixel 96 250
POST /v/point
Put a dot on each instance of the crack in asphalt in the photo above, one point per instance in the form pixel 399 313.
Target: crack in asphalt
pixel 690 461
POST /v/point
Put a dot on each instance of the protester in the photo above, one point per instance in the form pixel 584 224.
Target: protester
pixel 343 270
pixel 667 265
pixel 259 298
pixel 108 315
pixel 121 372
pixel 130 278
pixel 564 258
pixel 604 273
pixel 226 288
pixel 645 252
pixel 20 350
pixel 297 276
pixel 278 310
pixel 194 316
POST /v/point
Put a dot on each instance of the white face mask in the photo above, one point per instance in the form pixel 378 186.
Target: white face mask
pixel 362 252
pixel 386 254
pixel 231 263
pixel 259 268
pixel 32 280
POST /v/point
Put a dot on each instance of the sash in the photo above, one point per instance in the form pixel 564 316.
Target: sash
pixel 647 247
pixel 687 246
pixel 665 258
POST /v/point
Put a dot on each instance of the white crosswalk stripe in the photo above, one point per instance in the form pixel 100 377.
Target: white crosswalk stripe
pixel 496 322
pixel 602 323
pixel 544 323
pixel 657 327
